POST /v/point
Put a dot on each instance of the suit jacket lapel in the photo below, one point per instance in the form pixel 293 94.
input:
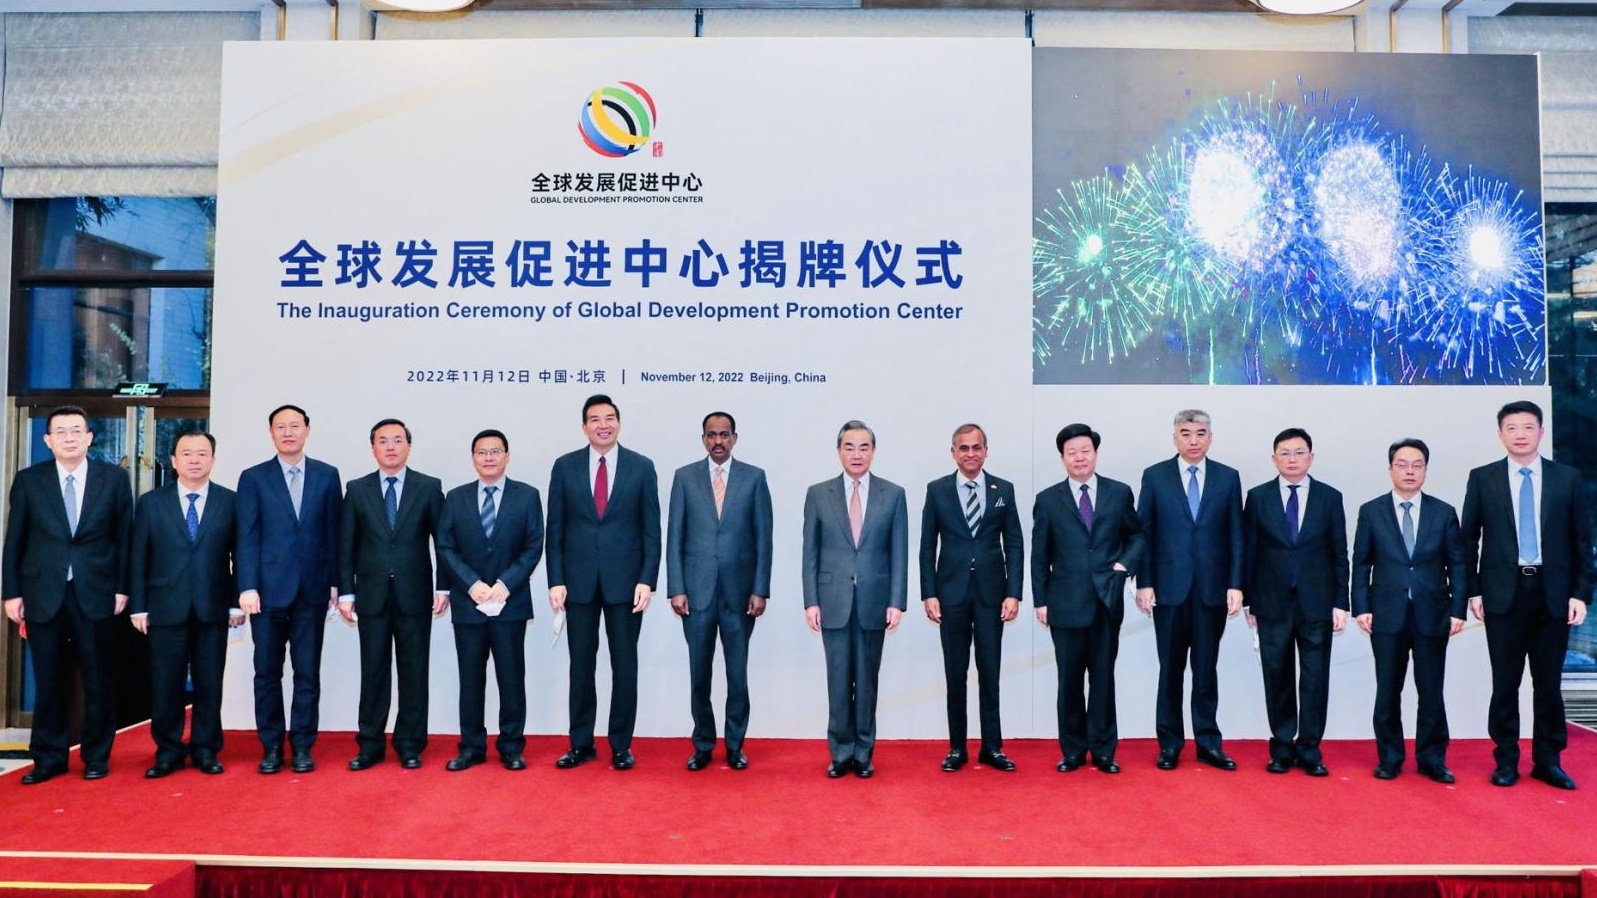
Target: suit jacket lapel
pixel 93 492
pixel 1275 511
pixel 277 483
pixel 1394 530
pixel 1310 511
pixel 177 511
pixel 407 500
pixel 1069 496
pixel 873 511
pixel 1506 497
pixel 993 497
pixel 837 491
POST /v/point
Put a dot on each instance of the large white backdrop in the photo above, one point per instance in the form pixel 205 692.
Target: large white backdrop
pixel 911 142
pixel 906 142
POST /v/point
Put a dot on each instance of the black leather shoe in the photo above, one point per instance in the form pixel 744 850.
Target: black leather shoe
pixel 463 761
pixel 699 761
pixel 622 760
pixel 736 759
pixel 1066 765
pixel 1439 774
pixel 101 771
pixel 839 768
pixel 1505 776
pixel 163 769
pixel 1167 760
pixel 1383 772
pixel 514 762
pixel 410 762
pixel 271 762
pixel 41 774
pixel 575 757
pixel 864 771
pixel 1107 765
pixel 997 760
pixel 362 761
pixel 955 760
pixel 1276 766
pixel 1216 759
pixel 1314 769
pixel 1551 774
pixel 302 762
pixel 208 764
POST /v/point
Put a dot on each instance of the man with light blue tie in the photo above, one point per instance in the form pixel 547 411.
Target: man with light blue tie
pixel 287 558
pixel 1190 581
pixel 1527 554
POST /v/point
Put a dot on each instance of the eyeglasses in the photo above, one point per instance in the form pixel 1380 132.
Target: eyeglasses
pixel 1292 453
pixel 1409 466
pixel 488 453
pixel 68 432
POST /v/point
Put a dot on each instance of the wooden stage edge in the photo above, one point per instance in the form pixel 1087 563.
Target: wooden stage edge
pixel 855 872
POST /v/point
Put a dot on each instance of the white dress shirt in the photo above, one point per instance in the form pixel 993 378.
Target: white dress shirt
pixel 864 493
pixel 609 465
pixel 1514 478
pixel 962 492
pixel 1397 507
pixel 726 471
pixel 1303 494
pixel 1092 491
pixel 79 478
pixel 1203 474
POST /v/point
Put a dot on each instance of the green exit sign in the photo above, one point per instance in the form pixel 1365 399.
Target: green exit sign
pixel 130 390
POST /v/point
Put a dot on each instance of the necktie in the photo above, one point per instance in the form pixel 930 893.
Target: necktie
pixel 1408 527
pixel 69 494
pixel 489 513
pixel 1193 496
pixel 1292 512
pixel 391 500
pixel 1530 550
pixel 1086 507
pixel 856 514
pixel 193 518
pixel 296 490
pixel 972 508
pixel 718 487
pixel 601 489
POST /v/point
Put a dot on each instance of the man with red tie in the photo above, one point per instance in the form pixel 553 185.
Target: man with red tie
pixel 603 541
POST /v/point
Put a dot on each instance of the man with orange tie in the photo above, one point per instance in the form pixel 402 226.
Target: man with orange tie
pixel 603 541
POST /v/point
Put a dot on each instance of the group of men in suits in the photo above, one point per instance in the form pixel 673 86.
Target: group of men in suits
pixel 194 558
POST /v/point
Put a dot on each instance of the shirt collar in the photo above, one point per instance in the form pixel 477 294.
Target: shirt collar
pixel 1397 501
pixel 1535 468
pixel 382 479
pixel 1281 482
pixel 484 484
pixel 285 465
pixel 183 492
pixel 980 479
pixel 864 483
pixel 61 472
pixel 710 463
pixel 1203 466
pixel 1091 482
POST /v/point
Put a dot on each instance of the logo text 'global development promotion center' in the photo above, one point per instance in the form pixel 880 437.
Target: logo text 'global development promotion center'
pixel 617 121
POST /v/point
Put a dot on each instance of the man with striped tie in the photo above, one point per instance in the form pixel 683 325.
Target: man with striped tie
pixel 1527 554
pixel 489 541
pixel 718 575
pixel 971 588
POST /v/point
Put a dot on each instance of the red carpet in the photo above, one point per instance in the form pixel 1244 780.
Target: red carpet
pixel 59 878
pixel 784 811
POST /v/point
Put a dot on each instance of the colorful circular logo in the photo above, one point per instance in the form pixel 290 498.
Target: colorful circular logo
pixel 616 121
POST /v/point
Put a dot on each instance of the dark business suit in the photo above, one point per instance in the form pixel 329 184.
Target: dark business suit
pixel 186 587
pixel 389 571
pixel 970 578
pixel 854 585
pixel 69 618
pixel 1190 563
pixel 719 562
pixel 467 554
pixel 601 562
pixel 293 563
pixel 1073 577
pixel 1527 613
pixel 1292 585
pixel 1411 598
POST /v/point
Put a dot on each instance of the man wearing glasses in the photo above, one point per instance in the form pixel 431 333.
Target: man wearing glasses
pixel 1296 587
pixel 66 550
pixel 489 541
pixel 1409 595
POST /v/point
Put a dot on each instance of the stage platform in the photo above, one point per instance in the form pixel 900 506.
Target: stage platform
pixel 781 827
